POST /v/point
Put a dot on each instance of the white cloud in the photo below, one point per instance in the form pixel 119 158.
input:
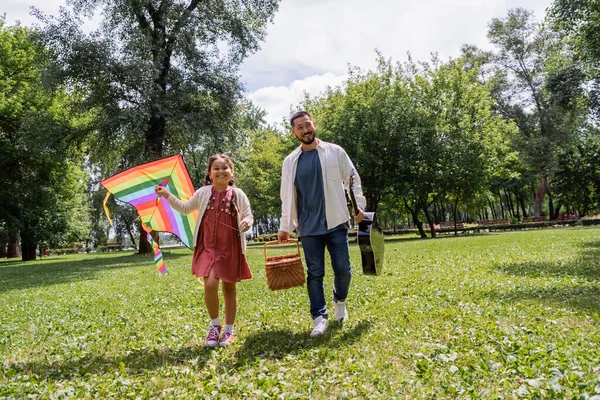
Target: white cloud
pixel 280 101
pixel 18 10
pixel 321 38
pixel 311 42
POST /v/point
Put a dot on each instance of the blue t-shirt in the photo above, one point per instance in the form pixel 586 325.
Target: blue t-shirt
pixel 310 196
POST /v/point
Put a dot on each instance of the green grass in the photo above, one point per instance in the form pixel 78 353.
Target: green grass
pixel 485 316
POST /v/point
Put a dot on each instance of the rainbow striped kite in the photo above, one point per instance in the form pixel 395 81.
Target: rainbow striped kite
pixel 136 187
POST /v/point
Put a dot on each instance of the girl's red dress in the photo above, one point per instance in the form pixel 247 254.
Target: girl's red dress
pixel 219 244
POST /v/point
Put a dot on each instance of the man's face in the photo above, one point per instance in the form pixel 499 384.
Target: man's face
pixel 304 129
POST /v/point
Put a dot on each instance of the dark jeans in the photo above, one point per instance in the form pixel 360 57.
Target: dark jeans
pixel 314 253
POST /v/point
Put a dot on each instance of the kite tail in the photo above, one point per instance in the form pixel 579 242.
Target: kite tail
pixel 106 208
pixel 158 258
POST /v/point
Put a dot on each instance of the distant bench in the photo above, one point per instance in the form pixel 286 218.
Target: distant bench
pixel 113 245
pixel 568 217
pixel 535 219
pixel 451 225
pixel 501 221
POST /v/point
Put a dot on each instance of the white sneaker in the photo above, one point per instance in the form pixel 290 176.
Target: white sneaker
pixel 320 326
pixel 341 315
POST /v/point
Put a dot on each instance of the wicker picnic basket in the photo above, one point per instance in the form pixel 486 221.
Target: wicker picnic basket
pixel 284 272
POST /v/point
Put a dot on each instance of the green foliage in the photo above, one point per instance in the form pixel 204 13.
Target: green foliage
pixel 539 88
pixel 159 77
pixel 470 142
pixel 40 167
pixel 577 178
pixel 369 116
pixel 418 132
pixel 581 20
pixel 486 316
pixel 259 176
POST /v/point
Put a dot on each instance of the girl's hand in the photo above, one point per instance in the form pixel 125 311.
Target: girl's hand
pixel 244 226
pixel 162 191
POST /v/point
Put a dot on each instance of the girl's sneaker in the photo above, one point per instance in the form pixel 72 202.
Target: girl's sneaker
pixel 226 339
pixel 214 331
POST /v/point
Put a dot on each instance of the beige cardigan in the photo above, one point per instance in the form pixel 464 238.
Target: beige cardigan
pixel 199 201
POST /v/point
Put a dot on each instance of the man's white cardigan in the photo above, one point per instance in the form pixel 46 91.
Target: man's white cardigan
pixel 199 202
pixel 336 168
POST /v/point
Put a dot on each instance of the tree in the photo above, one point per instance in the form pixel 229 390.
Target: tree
pixel 578 175
pixel 581 20
pixel 475 141
pixel 159 76
pixel 157 73
pixel 40 168
pixel 523 51
pixel 366 117
pixel 456 143
pixel 417 132
pixel 260 176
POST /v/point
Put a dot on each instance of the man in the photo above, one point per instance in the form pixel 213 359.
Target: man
pixel 313 180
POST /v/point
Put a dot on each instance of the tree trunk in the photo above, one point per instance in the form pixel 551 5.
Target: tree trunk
pixel 430 221
pixel 540 193
pixel 372 203
pixel 492 209
pixel 510 203
pixel 155 135
pixel 557 211
pixel 442 213
pixel 131 236
pixel 501 204
pixel 419 225
pixel 455 206
pixel 13 249
pixel 3 251
pixel 415 217
pixel 521 200
pixel 550 206
pixel 517 200
pixel 28 247
pixel 145 247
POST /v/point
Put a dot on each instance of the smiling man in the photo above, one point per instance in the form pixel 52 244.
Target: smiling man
pixel 314 177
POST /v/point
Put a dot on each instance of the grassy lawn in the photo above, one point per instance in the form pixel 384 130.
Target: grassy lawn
pixel 503 315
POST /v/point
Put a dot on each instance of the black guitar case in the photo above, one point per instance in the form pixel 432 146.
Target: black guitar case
pixel 370 240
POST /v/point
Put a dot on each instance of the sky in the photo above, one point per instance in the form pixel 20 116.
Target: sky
pixel 311 43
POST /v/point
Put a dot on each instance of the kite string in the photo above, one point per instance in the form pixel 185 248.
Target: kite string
pixel 227 225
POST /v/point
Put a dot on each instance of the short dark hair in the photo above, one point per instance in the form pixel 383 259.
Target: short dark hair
pixel 298 115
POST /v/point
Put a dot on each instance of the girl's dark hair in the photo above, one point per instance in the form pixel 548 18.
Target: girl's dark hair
pixel 211 160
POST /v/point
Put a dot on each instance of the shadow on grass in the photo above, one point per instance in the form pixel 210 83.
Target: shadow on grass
pixel 586 266
pixel 437 238
pixel 15 275
pixel 276 344
pixel 562 292
pixel 584 299
pixel 135 362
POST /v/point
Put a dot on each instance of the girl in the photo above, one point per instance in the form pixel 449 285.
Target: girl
pixel 219 253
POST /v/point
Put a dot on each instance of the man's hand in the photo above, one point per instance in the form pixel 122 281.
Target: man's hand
pixel 283 237
pixel 359 217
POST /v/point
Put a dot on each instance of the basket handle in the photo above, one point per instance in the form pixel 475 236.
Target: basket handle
pixel 277 242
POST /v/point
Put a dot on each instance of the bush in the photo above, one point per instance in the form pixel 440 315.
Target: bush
pixel 268 237
pixel 592 220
